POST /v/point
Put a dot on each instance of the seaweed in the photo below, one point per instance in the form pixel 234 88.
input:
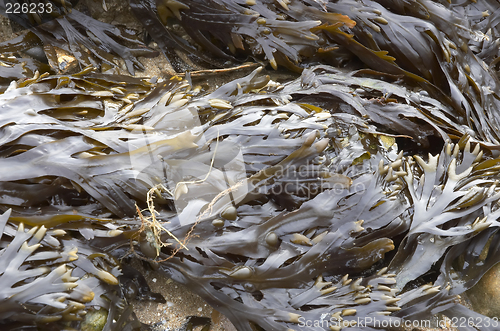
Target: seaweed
pixel 166 39
pixel 388 36
pixel 398 41
pixel 251 261
pixel 338 196
pixel 80 105
pixel 283 205
pixel 447 198
pixel 50 279
pixel 275 257
pixel 68 35
pixel 14 69
pixel 228 29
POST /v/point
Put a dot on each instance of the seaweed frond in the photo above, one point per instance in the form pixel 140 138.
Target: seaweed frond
pixel 450 194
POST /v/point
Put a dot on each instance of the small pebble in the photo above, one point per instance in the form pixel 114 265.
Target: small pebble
pixel 200 309
pixel 154 280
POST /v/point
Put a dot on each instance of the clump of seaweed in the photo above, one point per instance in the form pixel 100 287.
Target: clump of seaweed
pixel 448 194
pixel 281 32
pixel 247 260
pixel 395 38
pixel 245 222
pixel 68 35
pixel 67 113
pixel 27 300
pixel 14 69
pixel 388 36
pixel 51 279
pixel 280 204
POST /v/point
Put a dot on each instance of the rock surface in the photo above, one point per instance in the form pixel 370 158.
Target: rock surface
pixel 180 303
pixel 485 295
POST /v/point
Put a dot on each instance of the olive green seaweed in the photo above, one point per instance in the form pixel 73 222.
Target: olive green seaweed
pixel 366 187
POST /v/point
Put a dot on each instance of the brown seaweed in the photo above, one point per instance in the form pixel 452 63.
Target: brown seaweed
pixel 14 69
pixel 228 29
pixel 388 36
pixel 49 278
pixel 277 203
pixel 452 72
pixel 337 193
pixel 447 198
pixel 67 33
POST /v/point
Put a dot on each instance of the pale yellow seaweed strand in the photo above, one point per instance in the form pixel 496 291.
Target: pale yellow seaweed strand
pixel 155 223
pixel 218 196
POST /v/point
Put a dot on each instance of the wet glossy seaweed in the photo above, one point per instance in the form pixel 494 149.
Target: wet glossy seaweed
pixel 363 229
pixel 69 34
